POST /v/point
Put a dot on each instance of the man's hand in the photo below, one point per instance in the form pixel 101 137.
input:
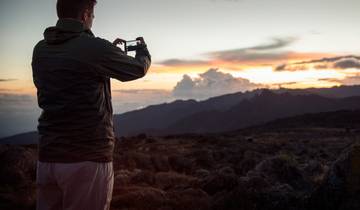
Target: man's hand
pixel 143 49
pixel 119 41
pixel 141 39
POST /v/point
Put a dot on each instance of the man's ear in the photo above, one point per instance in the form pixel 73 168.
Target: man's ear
pixel 84 16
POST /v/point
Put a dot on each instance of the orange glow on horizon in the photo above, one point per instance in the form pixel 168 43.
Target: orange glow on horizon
pixel 291 57
pixel 21 87
pixel 162 77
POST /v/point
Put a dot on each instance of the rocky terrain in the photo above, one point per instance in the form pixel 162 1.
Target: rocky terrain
pixel 280 165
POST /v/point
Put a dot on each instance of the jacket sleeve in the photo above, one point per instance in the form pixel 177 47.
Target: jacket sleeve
pixel 114 63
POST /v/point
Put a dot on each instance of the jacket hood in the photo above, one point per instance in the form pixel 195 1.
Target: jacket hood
pixel 64 30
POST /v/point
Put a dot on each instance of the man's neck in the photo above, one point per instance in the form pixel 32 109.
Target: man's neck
pixel 74 19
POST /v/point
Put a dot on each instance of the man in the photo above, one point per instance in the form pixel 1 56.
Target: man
pixel 72 71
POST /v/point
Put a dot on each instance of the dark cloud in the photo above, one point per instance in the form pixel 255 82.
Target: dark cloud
pixel 180 62
pixel 275 44
pixel 330 80
pixel 211 83
pixel 281 67
pixel 338 62
pixel 347 63
pixel 285 83
pixel 134 91
pixel 7 80
pixel 285 67
pixel 246 56
pixel 329 60
pixel 349 80
pixel 262 52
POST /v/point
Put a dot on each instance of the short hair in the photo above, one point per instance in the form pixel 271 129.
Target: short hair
pixel 73 8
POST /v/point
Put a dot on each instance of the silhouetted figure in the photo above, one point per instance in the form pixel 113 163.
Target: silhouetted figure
pixel 71 71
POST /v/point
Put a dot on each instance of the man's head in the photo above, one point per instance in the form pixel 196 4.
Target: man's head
pixel 82 10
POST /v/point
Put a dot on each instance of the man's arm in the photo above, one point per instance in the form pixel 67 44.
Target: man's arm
pixel 114 63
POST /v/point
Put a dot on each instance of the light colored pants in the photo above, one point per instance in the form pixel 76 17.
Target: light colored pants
pixel 74 186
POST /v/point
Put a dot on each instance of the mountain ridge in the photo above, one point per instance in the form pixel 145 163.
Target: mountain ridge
pixel 176 114
pixel 197 114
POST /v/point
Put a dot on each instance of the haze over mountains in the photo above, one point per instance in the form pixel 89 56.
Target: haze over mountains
pixel 234 111
pixel 226 112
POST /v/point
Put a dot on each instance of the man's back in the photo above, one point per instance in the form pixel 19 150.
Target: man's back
pixel 72 70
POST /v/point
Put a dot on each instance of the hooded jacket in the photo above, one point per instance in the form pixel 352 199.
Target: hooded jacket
pixel 71 71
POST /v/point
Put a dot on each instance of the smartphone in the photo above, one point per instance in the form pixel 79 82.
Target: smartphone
pixel 132 45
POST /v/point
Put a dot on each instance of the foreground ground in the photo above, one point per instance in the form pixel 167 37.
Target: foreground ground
pixel 297 168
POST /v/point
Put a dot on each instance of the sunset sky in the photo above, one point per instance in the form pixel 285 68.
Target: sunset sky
pixel 199 48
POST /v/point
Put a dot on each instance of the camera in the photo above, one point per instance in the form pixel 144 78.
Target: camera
pixel 132 45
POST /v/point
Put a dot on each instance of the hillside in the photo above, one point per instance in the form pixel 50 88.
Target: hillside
pixel 348 120
pixel 23 138
pixel 233 111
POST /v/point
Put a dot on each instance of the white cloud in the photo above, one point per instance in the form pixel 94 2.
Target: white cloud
pixel 211 83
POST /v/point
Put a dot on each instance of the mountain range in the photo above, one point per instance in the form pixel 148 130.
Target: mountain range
pixel 234 111
pixel 225 113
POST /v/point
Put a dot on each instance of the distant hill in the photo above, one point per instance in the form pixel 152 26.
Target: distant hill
pixel 225 113
pixel 164 115
pixel 260 109
pixel 348 120
pixel 334 92
pixel 234 111
pixel 23 138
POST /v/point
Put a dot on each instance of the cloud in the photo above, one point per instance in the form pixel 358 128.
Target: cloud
pixel 285 67
pixel 211 83
pixel 275 44
pixel 347 63
pixel 7 80
pixel 180 62
pixel 263 52
pixel 349 80
pixel 338 62
pixel 141 91
pixel 328 59
pixel 267 52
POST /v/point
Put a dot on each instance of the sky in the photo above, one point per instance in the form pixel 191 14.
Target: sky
pixel 199 48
